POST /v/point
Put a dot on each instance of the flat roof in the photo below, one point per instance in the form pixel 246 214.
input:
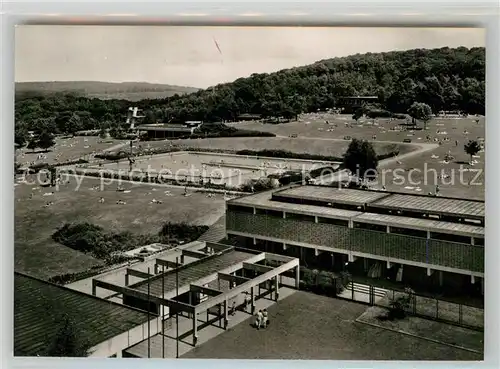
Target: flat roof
pixel 192 272
pixel 39 304
pixel 421 224
pixel 337 195
pixel 432 204
pixel 264 200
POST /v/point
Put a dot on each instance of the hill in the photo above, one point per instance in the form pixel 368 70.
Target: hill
pixel 445 78
pixel 131 91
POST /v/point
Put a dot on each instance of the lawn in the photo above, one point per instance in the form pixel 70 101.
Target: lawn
pixel 335 148
pixel 428 329
pixel 67 149
pixel 38 254
pixel 306 326
pixel 430 162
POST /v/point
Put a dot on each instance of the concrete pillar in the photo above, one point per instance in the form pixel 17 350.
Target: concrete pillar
pixel 252 300
pixel 119 354
pixel 428 234
pixel 315 219
pixel 388 230
pixel 284 215
pixel 156 269
pixel 284 246
pixel 472 279
pixel 276 288
pixel 94 288
pixel 254 211
pixel 182 259
pixel 472 241
pixel 225 313
pixel 126 279
pixel 365 264
pixel 254 241
pixel 429 272
pixel 440 275
pixel 316 252
pixel 297 277
pixel 351 224
pixel 389 264
pixel 333 260
pixel 195 329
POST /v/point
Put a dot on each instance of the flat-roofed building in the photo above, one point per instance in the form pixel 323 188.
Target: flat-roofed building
pixel 414 236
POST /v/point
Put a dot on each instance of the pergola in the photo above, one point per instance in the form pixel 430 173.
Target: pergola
pixel 244 276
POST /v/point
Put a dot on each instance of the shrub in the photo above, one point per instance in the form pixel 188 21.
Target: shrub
pixel 378 113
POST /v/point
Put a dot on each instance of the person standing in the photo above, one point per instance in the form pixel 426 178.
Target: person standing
pixel 258 320
pixel 264 318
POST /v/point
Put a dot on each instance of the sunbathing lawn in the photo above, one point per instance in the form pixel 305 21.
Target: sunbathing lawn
pixel 307 326
pixel 68 149
pixel 36 253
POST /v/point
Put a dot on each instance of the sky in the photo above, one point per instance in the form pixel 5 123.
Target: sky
pixel 189 56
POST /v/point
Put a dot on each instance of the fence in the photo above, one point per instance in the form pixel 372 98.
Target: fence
pixel 420 306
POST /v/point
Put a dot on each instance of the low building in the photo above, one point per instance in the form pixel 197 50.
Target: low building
pixel 40 307
pixel 349 104
pixel 405 237
pixel 165 131
pixel 122 311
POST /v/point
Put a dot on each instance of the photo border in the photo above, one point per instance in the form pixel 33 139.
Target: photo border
pixel 355 13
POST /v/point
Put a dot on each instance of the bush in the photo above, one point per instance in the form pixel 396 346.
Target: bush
pixel 378 113
pixel 181 232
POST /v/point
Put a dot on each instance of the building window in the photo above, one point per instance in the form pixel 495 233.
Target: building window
pixel 450 237
pixel 301 217
pixel 274 213
pixel 408 232
pixel 478 241
pixel 338 222
pixel 371 227
pixel 240 209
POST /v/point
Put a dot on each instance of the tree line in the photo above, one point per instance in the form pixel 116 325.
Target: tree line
pixel 444 79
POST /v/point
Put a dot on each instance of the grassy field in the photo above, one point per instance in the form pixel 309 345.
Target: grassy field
pixel 68 149
pixel 334 148
pixel 306 326
pixel 448 334
pixel 38 254
pixel 458 132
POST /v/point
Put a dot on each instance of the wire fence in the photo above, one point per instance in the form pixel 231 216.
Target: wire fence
pixel 417 305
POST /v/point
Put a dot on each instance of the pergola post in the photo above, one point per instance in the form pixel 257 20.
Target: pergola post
pixel 190 300
pixel 297 277
pixel 252 297
pixel 195 329
pixel 126 279
pixel 225 314
pixel 277 288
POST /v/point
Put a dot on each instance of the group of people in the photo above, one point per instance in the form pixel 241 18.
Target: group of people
pixel 261 319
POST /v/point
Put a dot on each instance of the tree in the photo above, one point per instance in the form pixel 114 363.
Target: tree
pixel 68 341
pixel 45 140
pixel 420 111
pixel 21 136
pixel 361 159
pixel 357 114
pixel 32 144
pixel 53 175
pixel 472 148
pixel 103 133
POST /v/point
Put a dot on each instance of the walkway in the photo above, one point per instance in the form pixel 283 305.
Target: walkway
pixel 206 331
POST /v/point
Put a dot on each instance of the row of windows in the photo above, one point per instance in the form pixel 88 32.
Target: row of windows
pixel 359 225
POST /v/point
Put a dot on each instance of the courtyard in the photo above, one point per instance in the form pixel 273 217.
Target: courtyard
pixel 307 326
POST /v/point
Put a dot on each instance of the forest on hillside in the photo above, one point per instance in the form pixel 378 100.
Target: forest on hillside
pixel 445 79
